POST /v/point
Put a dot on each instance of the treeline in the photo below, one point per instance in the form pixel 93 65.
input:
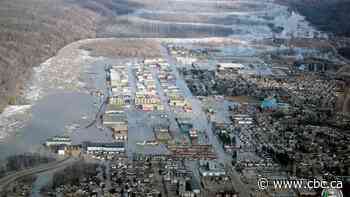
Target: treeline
pixel 330 16
pixel 22 187
pixel 81 172
pixel 75 174
pixel 2 171
pixel 23 161
pixel 345 52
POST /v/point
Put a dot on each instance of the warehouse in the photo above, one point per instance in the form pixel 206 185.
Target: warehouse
pixel 104 148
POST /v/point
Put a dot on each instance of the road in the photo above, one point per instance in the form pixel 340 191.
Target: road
pixel 7 180
pixel 202 123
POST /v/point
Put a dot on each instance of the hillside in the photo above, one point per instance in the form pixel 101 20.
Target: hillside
pixel 33 30
pixel 330 16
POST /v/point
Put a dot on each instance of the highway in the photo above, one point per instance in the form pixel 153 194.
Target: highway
pixel 7 180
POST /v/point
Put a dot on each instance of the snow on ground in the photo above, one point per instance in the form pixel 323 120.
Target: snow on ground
pixel 63 72
pixel 13 117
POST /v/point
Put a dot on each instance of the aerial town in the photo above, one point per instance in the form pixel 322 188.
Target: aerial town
pixel 178 128
pixel 183 117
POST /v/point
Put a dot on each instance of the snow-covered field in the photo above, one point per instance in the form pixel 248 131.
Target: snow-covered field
pixel 61 72
pixel 13 118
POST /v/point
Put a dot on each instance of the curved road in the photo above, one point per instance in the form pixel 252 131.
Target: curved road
pixel 7 180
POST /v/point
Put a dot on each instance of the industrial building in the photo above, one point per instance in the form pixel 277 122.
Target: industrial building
pixel 104 148
pixel 58 140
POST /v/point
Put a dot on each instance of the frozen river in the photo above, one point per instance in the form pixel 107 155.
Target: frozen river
pixel 246 19
pixel 62 113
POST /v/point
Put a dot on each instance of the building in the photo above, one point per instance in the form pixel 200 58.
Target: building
pixel 60 150
pixel 116 121
pixel 104 148
pixel 146 99
pixel 120 135
pixel 162 134
pixel 148 102
pixel 186 60
pixel 230 66
pixel 153 61
pixel 119 78
pixel 58 140
pixel 211 168
pixel 269 104
pixel 177 101
pixel 114 109
pixel 242 119
pixel 313 65
pixel 118 124
pixel 117 100
pixel 72 150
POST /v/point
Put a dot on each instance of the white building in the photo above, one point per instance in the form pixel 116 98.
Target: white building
pixel 58 140
pixel 105 148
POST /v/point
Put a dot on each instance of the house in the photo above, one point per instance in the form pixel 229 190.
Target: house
pixel 73 150
pixel 146 99
pixel 147 107
pixel 153 61
pixel 118 78
pixel 60 150
pixel 120 134
pixel 186 60
pixel 148 102
pixel 114 109
pixel 242 119
pixel 117 100
pixel 162 133
pixel 177 101
pixel 150 83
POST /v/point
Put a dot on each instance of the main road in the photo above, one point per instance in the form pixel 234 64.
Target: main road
pixel 201 123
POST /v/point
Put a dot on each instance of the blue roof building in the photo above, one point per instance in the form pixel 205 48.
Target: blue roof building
pixel 269 104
